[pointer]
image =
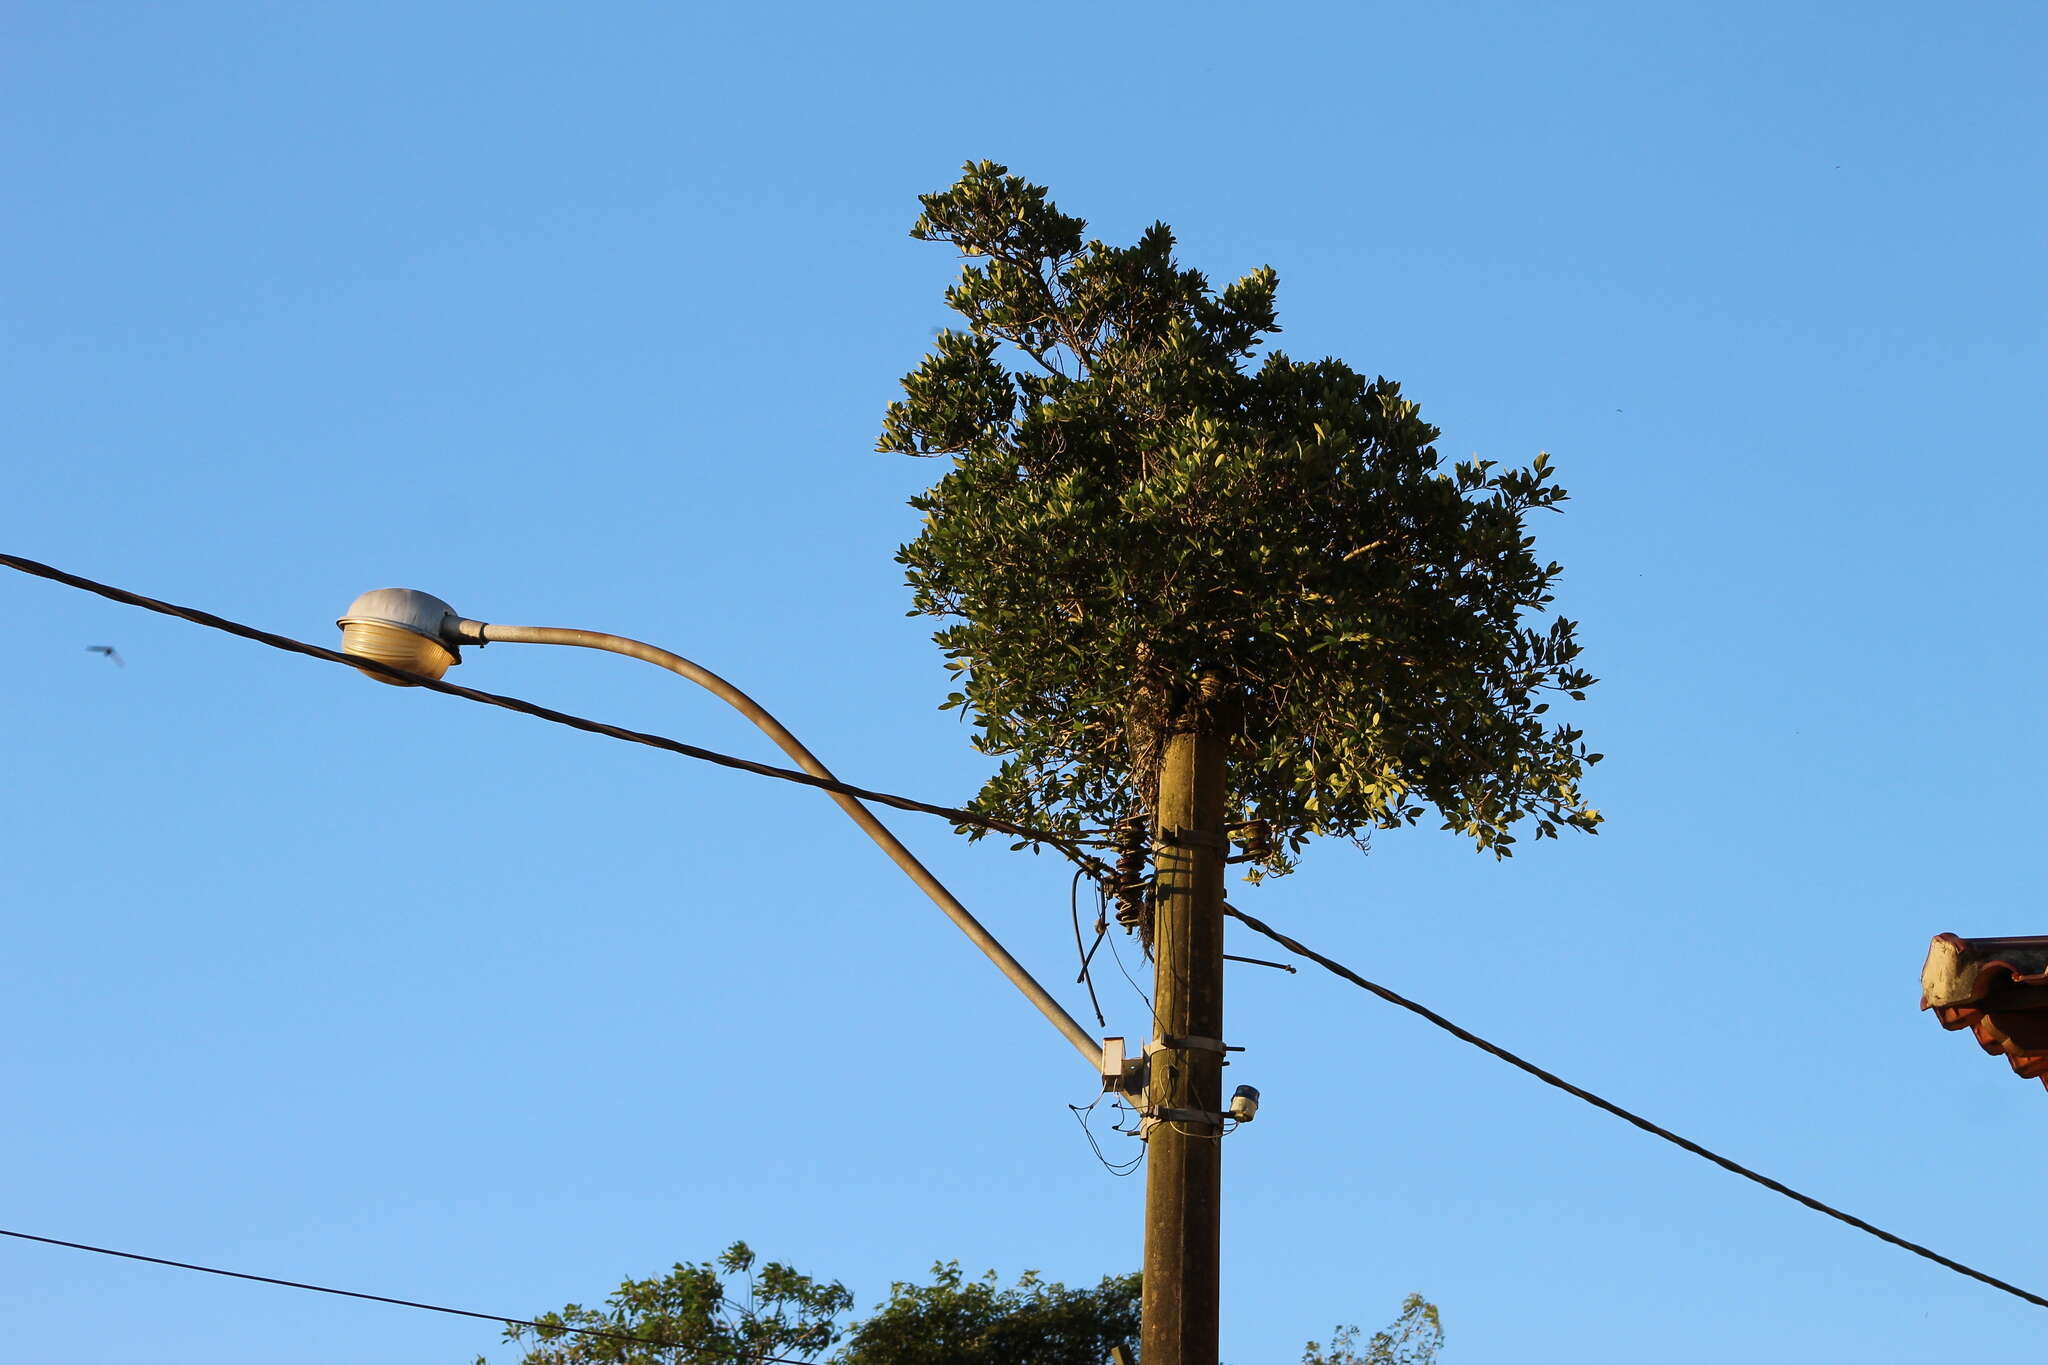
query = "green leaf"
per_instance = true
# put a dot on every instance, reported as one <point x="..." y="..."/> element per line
<point x="1133" y="505"/>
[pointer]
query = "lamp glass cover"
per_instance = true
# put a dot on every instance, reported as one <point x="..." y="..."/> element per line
<point x="397" y="647"/>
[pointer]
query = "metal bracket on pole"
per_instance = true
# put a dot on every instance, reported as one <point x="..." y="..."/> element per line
<point x="1150" y="1115"/>
<point x="1166" y="1042"/>
<point x="1162" y="1115"/>
<point x="1129" y="1078"/>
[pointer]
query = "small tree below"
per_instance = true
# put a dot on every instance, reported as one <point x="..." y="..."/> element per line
<point x="1414" y="1339"/>
<point x="958" y="1321"/>
<point x="766" y="1312"/>
<point x="734" y="1310"/>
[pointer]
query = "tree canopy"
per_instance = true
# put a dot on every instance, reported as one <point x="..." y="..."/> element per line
<point x="1141" y="528"/>
<point x="737" y="1310"/>
<point x="1414" y="1338"/>
<point x="734" y="1310"/>
<point x="958" y="1321"/>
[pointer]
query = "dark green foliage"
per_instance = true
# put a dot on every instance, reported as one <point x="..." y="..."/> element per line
<point x="952" y="1321"/>
<point x="780" y="1313"/>
<point x="1133" y="507"/>
<point x="1413" y="1339"/>
<point x="957" y="1321"/>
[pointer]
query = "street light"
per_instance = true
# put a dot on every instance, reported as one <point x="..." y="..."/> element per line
<point x="420" y="633"/>
<point x="415" y="631"/>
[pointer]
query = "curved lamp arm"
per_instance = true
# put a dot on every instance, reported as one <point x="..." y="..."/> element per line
<point x="479" y="633"/>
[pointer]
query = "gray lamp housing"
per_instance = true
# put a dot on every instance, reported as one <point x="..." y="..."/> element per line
<point x="402" y="628"/>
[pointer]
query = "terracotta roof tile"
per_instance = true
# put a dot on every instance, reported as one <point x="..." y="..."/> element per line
<point x="1998" y="989"/>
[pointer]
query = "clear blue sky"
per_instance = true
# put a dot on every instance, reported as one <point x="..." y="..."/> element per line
<point x="586" y="315"/>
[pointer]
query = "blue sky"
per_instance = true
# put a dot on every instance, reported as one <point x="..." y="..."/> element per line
<point x="586" y="316"/>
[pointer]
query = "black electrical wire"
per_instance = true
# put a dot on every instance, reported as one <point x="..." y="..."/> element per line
<point x="1118" y="958"/>
<point x="1655" y="1130"/>
<point x="1070" y="847"/>
<point x="1085" y="953"/>
<point x="1115" y="1168"/>
<point x="602" y="1333"/>
<point x="959" y="818"/>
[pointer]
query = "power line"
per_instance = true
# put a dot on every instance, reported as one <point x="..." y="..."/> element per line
<point x="961" y="818"/>
<point x="1071" y="847"/>
<point x="601" y="1333"/>
<point x="1655" y="1130"/>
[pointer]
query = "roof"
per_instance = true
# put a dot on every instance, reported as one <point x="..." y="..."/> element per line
<point x="1998" y="989"/>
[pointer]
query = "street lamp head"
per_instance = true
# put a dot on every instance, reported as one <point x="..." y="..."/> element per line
<point x="411" y="630"/>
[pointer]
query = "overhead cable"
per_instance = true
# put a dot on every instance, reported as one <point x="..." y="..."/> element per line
<point x="601" y="1333"/>
<point x="1655" y="1130"/>
<point x="1071" y="847"/>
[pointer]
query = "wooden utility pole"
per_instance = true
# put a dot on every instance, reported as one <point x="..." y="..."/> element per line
<point x="1184" y="1091"/>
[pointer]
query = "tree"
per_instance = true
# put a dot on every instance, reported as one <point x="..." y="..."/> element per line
<point x="1139" y="528"/>
<point x="1414" y="1339"/>
<point x="766" y="1314"/>
<point x="957" y="1321"/>
<point x="736" y="1311"/>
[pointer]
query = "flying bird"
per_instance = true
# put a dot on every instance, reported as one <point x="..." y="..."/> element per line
<point x="107" y="650"/>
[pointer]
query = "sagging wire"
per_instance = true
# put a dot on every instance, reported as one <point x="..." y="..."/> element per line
<point x="1115" y="1168"/>
<point x="1087" y="954"/>
<point x="1069" y="846"/>
<point x="597" y="1333"/>
<point x="1229" y="1126"/>
<point x="1551" y="1078"/>
<point x="1118" y="958"/>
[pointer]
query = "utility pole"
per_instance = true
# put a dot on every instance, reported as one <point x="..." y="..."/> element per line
<point x="1184" y="1086"/>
